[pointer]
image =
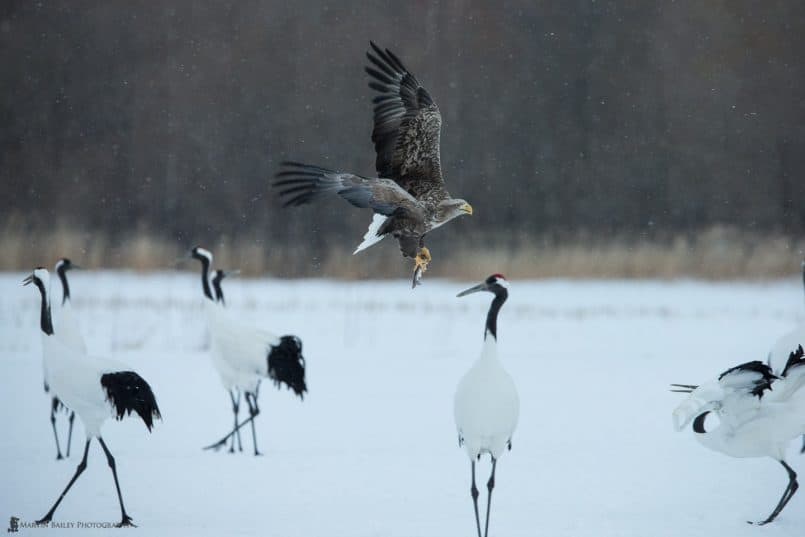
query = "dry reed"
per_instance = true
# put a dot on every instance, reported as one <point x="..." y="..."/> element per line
<point x="718" y="253"/>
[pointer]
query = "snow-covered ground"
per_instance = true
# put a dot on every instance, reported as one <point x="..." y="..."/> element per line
<point x="372" y="449"/>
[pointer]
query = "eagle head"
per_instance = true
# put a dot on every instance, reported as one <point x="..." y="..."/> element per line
<point x="451" y="208"/>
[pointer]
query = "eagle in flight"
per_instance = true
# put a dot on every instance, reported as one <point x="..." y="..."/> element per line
<point x="408" y="197"/>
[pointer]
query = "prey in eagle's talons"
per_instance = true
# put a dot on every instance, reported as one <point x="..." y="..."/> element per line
<point x="417" y="277"/>
<point x="420" y="265"/>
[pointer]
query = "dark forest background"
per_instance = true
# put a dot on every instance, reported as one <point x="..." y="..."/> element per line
<point x="563" y="122"/>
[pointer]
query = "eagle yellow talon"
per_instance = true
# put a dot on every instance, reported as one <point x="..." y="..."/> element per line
<point x="422" y="259"/>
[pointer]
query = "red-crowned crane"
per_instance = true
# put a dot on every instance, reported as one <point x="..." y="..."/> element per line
<point x="486" y="405"/>
<point x="95" y="389"/>
<point x="244" y="355"/>
<point x="758" y="412"/>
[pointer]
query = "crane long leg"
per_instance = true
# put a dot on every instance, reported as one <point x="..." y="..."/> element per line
<point x="474" y="494"/>
<point x="53" y="408"/>
<point x="235" y="411"/>
<point x="254" y="410"/>
<point x="126" y="519"/>
<point x="70" y="432"/>
<point x="489" y="486"/>
<point x="222" y="442"/>
<point x="802" y="450"/>
<point x="787" y="494"/>
<point x="81" y="467"/>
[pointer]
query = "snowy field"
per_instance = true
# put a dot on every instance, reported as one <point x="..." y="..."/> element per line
<point x="372" y="449"/>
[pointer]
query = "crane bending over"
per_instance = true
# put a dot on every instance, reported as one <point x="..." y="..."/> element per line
<point x="759" y="413"/>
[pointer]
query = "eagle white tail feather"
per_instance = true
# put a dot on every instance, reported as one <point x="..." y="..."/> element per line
<point x="371" y="237"/>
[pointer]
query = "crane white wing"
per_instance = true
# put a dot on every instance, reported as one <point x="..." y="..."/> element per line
<point x="745" y="393"/>
<point x="735" y="396"/>
<point x="241" y="348"/>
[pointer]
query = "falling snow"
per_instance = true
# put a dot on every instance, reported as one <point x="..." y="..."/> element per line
<point x="372" y="450"/>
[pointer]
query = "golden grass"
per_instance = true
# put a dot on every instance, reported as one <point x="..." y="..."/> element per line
<point x="718" y="253"/>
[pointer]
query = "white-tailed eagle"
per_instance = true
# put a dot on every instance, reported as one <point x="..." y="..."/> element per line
<point x="408" y="197"/>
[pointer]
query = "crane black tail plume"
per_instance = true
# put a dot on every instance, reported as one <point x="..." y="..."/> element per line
<point x="287" y="365"/>
<point x="129" y="392"/>
<point x="795" y="359"/>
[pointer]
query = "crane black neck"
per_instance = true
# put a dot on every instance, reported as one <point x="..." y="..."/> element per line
<point x="205" y="277"/>
<point x="62" y="272"/>
<point x="219" y="292"/>
<point x="698" y="423"/>
<point x="45" y="320"/>
<point x="501" y="294"/>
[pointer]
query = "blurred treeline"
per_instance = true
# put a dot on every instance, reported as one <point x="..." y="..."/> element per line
<point x="565" y="122"/>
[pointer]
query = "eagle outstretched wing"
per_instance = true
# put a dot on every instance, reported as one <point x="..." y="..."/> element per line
<point x="407" y="126"/>
<point x="301" y="183"/>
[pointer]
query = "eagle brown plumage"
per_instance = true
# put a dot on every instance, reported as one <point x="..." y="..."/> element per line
<point x="409" y="194"/>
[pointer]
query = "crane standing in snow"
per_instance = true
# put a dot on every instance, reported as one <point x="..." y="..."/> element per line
<point x="94" y="388"/>
<point x="217" y="279"/>
<point x="759" y="413"/>
<point x="70" y="334"/>
<point x="486" y="405"/>
<point x="244" y="355"/>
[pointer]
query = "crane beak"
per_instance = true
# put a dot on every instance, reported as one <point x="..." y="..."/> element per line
<point x="683" y="388"/>
<point x="474" y="289"/>
<point x="28" y="280"/>
<point x="229" y="273"/>
<point x="467" y="208"/>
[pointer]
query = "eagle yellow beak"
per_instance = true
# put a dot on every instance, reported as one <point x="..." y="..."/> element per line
<point x="467" y="208"/>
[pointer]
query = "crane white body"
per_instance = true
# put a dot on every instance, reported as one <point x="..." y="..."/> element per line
<point x="68" y="336"/>
<point x="238" y="348"/>
<point x="76" y="378"/>
<point x="486" y="405"/>
<point x="68" y="328"/>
